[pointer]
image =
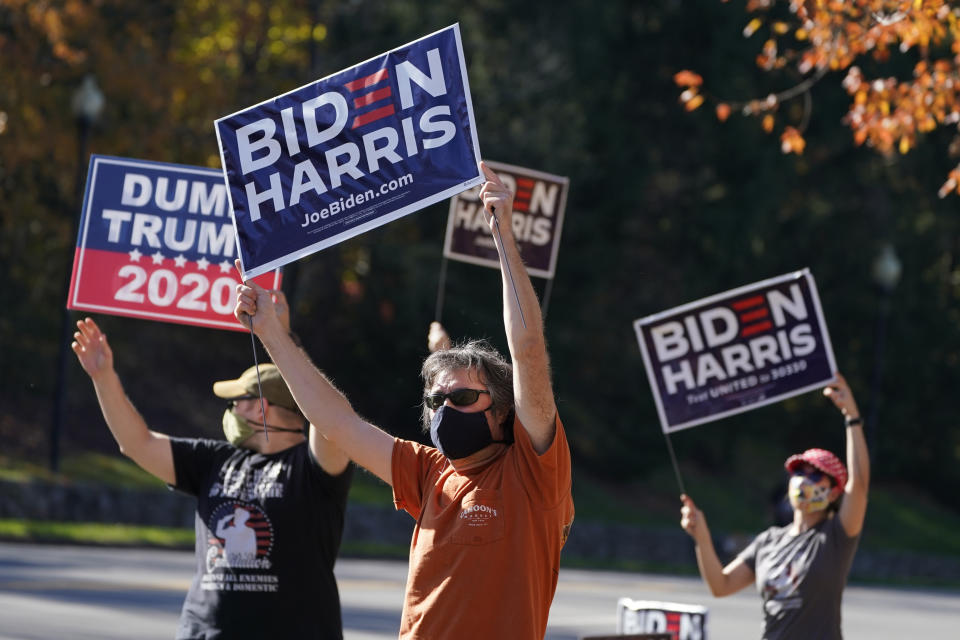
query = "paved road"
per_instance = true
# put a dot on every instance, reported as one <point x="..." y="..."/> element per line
<point x="103" y="594"/>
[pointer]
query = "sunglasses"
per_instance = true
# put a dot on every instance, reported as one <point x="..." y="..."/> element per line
<point x="814" y="475"/>
<point x="232" y="403"/>
<point x="459" y="397"/>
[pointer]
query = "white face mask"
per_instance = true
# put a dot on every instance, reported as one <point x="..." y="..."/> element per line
<point x="807" y="496"/>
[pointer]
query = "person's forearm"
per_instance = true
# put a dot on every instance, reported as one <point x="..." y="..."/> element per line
<point x="853" y="508"/>
<point x="709" y="564"/>
<point x="519" y="337"/>
<point x="328" y="410"/>
<point x="124" y="421"/>
<point x="148" y="449"/>
<point x="321" y="402"/>
<point x="858" y="458"/>
<point x="533" y="391"/>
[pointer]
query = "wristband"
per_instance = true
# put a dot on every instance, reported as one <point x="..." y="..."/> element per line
<point x="854" y="422"/>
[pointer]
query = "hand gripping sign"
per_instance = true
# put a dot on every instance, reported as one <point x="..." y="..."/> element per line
<point x="736" y="351"/>
<point x="539" y="202"/>
<point x="155" y="242"/>
<point x="350" y="152"/>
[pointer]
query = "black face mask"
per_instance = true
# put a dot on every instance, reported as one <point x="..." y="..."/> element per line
<point x="458" y="434"/>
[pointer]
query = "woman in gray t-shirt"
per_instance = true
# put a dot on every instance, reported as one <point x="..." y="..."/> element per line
<point x="801" y="569"/>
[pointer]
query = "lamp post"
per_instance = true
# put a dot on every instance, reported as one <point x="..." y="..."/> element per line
<point x="886" y="272"/>
<point x="86" y="105"/>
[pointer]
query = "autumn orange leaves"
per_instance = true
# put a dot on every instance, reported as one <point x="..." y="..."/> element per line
<point x="821" y="36"/>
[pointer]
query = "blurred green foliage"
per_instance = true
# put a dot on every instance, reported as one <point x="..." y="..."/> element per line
<point x="95" y="533"/>
<point x="665" y="207"/>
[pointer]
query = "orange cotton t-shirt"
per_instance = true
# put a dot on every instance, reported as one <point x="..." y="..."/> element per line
<point x="485" y="554"/>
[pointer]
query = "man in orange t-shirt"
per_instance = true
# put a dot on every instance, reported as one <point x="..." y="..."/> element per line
<point x="492" y="497"/>
<point x="491" y="521"/>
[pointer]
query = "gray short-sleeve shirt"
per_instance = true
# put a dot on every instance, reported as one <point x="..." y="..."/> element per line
<point x="801" y="579"/>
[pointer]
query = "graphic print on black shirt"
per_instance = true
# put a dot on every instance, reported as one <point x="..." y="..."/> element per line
<point x="242" y="539"/>
<point x="268" y="530"/>
<point x="241" y="533"/>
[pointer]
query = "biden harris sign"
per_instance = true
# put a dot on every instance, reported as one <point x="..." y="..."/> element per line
<point x="736" y="351"/>
<point x="156" y="242"/>
<point x="350" y="152"/>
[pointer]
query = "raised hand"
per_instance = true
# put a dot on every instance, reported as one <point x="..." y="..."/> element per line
<point x="497" y="200"/>
<point x="256" y="303"/>
<point x="692" y="519"/>
<point x="841" y="396"/>
<point x="437" y="339"/>
<point x="92" y="349"/>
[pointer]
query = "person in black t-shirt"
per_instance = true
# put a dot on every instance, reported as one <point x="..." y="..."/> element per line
<point x="270" y="509"/>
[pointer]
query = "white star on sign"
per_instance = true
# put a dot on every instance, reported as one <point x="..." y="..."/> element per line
<point x="225" y="267"/>
<point x="135" y="256"/>
<point x="157" y="257"/>
<point x="180" y="260"/>
<point x="202" y="264"/>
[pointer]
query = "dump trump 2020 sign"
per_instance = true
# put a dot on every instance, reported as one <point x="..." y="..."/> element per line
<point x="156" y="242"/>
<point x="350" y="152"/>
<point x="736" y="351"/>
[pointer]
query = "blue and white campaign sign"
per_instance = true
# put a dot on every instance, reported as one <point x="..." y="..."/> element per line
<point x="351" y="152"/>
<point x="736" y="351"/>
<point x="155" y="242"/>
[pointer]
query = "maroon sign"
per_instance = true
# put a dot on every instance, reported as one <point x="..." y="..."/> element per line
<point x="538" y="206"/>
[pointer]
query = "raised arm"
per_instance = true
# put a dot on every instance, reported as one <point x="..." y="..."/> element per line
<point x="327" y="409"/>
<point x="329" y="456"/>
<point x="532" y="390"/>
<point x="149" y="449"/>
<point x="853" y="509"/>
<point x="721" y="580"/>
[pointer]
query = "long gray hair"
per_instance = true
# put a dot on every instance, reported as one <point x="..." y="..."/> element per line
<point x="493" y="370"/>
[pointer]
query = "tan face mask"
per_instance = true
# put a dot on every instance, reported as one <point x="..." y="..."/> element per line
<point x="235" y="428"/>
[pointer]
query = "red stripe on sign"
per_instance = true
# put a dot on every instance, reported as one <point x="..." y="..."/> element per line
<point x="673" y="622"/>
<point x="525" y="183"/>
<point x="366" y="81"/>
<point x="370" y="98"/>
<point x="523" y="194"/>
<point x="755" y="328"/>
<point x="750" y="316"/>
<point x="521" y="206"/>
<point x="746" y="303"/>
<point x="112" y="282"/>
<point x="372" y="116"/>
